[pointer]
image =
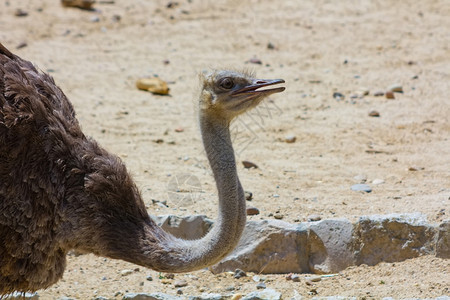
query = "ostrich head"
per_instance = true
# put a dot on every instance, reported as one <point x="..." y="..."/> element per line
<point x="229" y="93"/>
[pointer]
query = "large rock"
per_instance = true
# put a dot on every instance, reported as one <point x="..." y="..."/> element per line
<point x="330" y="246"/>
<point x="268" y="246"/>
<point x="189" y="228"/>
<point x="392" y="238"/>
<point x="152" y="296"/>
<point x="443" y="240"/>
<point x="267" y="294"/>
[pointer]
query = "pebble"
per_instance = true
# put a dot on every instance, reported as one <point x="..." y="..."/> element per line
<point x="338" y="96"/>
<point x="236" y="297"/>
<point x="415" y="168"/>
<point x="363" y="91"/>
<point x="396" y="88"/>
<point x="255" y="60"/>
<point x="95" y="19"/>
<point x="261" y="286"/>
<point x="278" y="216"/>
<point x="248" y="196"/>
<point x="20" y="13"/>
<point x="378" y="93"/>
<point x="179" y="292"/>
<point x="390" y="95"/>
<point x="170" y="276"/>
<point x="238" y="273"/>
<point x="270" y="46"/>
<point x="248" y="164"/>
<point x="314" y="278"/>
<point x="256" y="278"/>
<point x="377" y="181"/>
<point x="180" y="283"/>
<point x="290" y="139"/>
<point x="153" y="85"/>
<point x="149" y="278"/>
<point x="360" y="178"/>
<point x="179" y="129"/>
<point x="374" y="113"/>
<point x="295" y="278"/>
<point x="252" y="211"/>
<point x="314" y="218"/>
<point x="21" y="45"/>
<point x="361" y="188"/>
<point x="126" y="272"/>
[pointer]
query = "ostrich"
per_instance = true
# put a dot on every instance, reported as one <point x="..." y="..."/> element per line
<point x="59" y="190"/>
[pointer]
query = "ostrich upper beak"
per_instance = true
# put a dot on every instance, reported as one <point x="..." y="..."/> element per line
<point x="254" y="88"/>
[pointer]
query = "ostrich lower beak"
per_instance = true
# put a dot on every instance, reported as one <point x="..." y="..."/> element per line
<point x="254" y="88"/>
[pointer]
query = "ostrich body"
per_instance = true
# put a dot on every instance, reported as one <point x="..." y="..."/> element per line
<point x="59" y="190"/>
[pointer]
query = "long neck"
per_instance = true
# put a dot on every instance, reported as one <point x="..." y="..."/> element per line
<point x="185" y="255"/>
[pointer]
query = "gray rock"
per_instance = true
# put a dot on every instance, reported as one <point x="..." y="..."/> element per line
<point x="19" y="295"/>
<point x="207" y="296"/>
<point x="361" y="188"/>
<point x="268" y="246"/>
<point x="261" y="286"/>
<point x="443" y="240"/>
<point x="330" y="246"/>
<point x="180" y="283"/>
<point x="190" y="227"/>
<point x="152" y="296"/>
<point x="267" y="294"/>
<point x="392" y="238"/>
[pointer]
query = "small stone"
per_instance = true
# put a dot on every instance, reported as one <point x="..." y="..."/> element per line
<point x="396" y="88"/>
<point x="374" y="113"/>
<point x="248" y="164"/>
<point x="252" y="211"/>
<point x="170" y="276"/>
<point x="126" y="272"/>
<point x="255" y="60"/>
<point x="313" y="278"/>
<point x="180" y="283"/>
<point x="116" y="18"/>
<point x="377" y="181"/>
<point x="248" y="196"/>
<point x="149" y="278"/>
<point x="314" y="218"/>
<point x="21" y="45"/>
<point x="83" y="4"/>
<point x="165" y="281"/>
<point x="256" y="278"/>
<point x="290" y="139"/>
<point x="338" y="96"/>
<point x="236" y="297"/>
<point x="289" y="276"/>
<point x="20" y="13"/>
<point x="179" y="129"/>
<point x="270" y="46"/>
<point x="415" y="168"/>
<point x="361" y="188"/>
<point x="95" y="19"/>
<point x="238" y="273"/>
<point x="378" y="93"/>
<point x="390" y="95"/>
<point x="363" y="91"/>
<point x="153" y="85"/>
<point x="261" y="286"/>
<point x="295" y="278"/>
<point x="179" y="292"/>
<point x="278" y="216"/>
<point x="361" y="178"/>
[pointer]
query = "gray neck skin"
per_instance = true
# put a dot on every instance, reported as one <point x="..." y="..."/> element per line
<point x="185" y="255"/>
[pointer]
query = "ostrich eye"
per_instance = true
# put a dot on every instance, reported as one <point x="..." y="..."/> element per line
<point x="226" y="83"/>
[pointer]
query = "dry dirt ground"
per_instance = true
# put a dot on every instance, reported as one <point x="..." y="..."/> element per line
<point x="318" y="47"/>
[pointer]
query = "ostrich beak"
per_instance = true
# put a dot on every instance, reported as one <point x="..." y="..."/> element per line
<point x="254" y="88"/>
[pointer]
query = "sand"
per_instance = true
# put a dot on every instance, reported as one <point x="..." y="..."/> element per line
<point x="319" y="48"/>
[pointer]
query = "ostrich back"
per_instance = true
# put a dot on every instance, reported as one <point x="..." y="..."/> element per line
<point x="38" y="130"/>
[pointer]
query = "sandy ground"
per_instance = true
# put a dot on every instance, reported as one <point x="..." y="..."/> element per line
<point x="318" y="47"/>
